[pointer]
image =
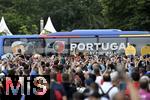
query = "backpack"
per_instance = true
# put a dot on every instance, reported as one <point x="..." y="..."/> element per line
<point x="106" y="95"/>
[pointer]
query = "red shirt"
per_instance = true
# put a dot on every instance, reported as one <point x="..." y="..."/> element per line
<point x="135" y="85"/>
<point x="59" y="77"/>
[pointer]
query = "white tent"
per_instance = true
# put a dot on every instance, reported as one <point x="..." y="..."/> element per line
<point x="49" y="28"/>
<point x="3" y="28"/>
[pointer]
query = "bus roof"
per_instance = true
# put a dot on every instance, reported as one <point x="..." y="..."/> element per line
<point x="85" y="33"/>
<point x="18" y="36"/>
<point x="100" y="33"/>
<point x="89" y="30"/>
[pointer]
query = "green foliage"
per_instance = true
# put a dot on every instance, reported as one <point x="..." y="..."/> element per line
<point x="126" y="15"/>
<point x="147" y="44"/>
<point x="1" y="33"/>
<point x="23" y="16"/>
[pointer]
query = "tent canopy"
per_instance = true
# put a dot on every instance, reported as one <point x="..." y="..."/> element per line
<point x="49" y="28"/>
<point x="3" y="28"/>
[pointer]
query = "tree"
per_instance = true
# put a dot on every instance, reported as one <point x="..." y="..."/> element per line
<point x="23" y="16"/>
<point x="65" y="14"/>
<point x="126" y="15"/>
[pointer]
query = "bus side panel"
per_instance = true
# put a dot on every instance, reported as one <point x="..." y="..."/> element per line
<point x="1" y="46"/>
<point x="139" y="42"/>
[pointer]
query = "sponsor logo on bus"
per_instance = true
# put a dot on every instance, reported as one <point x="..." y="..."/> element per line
<point x="97" y="46"/>
<point x="59" y="46"/>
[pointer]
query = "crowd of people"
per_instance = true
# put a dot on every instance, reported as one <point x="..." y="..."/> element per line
<point x="85" y="77"/>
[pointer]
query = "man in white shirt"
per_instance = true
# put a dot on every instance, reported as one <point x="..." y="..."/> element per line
<point x="107" y="85"/>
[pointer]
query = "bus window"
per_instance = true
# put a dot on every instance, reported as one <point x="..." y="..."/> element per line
<point x="7" y="44"/>
<point x="56" y="45"/>
<point x="139" y="43"/>
<point x="32" y="45"/>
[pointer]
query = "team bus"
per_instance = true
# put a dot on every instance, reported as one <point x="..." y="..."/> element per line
<point x="91" y="41"/>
